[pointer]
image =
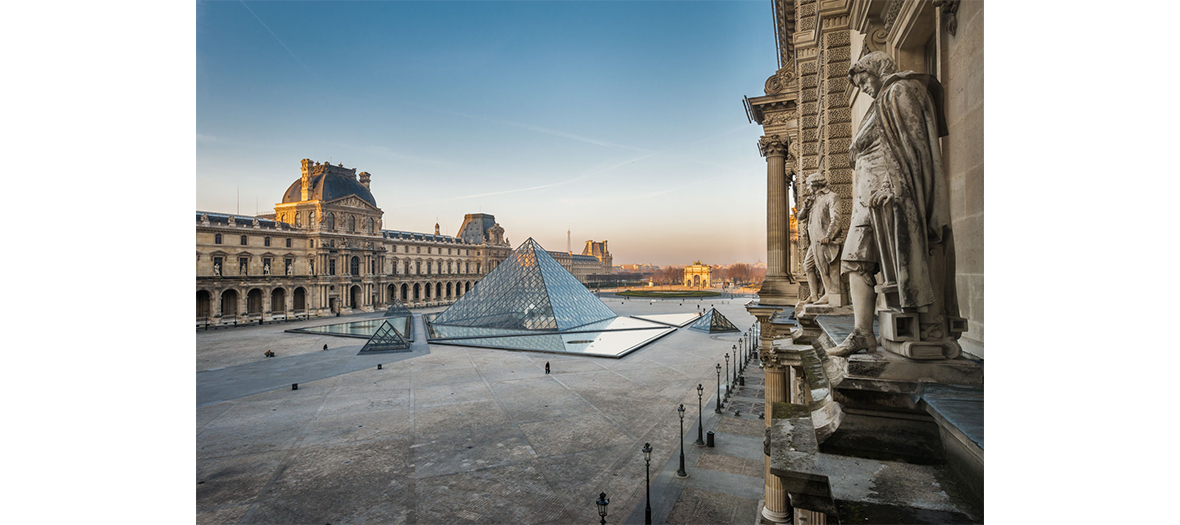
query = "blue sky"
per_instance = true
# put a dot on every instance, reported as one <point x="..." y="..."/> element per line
<point x="617" y="120"/>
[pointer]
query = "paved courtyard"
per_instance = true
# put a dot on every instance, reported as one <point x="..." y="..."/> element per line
<point x="448" y="434"/>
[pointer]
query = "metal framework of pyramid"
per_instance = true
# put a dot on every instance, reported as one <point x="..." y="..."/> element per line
<point x="386" y="340"/>
<point x="527" y="300"/>
<point x="529" y="291"/>
<point x="712" y="321"/>
<point x="397" y="309"/>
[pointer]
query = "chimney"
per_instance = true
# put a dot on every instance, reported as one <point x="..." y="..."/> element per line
<point x="365" y="179"/>
<point x="305" y="182"/>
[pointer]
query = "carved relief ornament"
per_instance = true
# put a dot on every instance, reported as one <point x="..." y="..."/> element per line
<point x="781" y="80"/>
<point x="773" y="145"/>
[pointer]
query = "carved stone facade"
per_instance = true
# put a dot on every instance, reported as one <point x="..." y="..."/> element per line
<point x="811" y="108"/>
<point x="324" y="251"/>
<point x="697" y="275"/>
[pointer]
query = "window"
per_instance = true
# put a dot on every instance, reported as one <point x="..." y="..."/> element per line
<point x="428" y="266"/>
<point x="266" y="241"/>
<point x="418" y="267"/>
<point x="287" y="263"/>
<point x="332" y="266"/>
<point x="419" y="249"/>
<point x="217" y="238"/>
<point x="372" y="266"/>
<point x="407" y="268"/>
<point x="243" y="240"/>
<point x="448" y="251"/>
<point x="298" y="219"/>
<point x="354" y="266"/>
<point x="288" y="242"/>
<point x="311" y="243"/>
<point x="351" y="223"/>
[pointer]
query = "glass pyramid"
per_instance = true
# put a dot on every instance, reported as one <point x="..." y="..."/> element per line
<point x="397" y="309"/>
<point x="712" y="321"/>
<point x="531" y="303"/>
<point x="529" y="291"/>
<point x="385" y="340"/>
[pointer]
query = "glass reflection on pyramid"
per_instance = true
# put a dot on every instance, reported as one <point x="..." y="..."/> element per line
<point x="530" y="302"/>
<point x="713" y="322"/>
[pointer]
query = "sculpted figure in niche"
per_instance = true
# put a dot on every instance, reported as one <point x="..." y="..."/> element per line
<point x="266" y="269"/>
<point x="821" y="211"/>
<point x="217" y="270"/>
<point x="900" y="226"/>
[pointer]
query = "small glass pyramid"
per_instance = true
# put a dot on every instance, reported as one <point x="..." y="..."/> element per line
<point x="712" y="321"/>
<point x="530" y="302"/>
<point x="397" y="309"/>
<point x="385" y="340"/>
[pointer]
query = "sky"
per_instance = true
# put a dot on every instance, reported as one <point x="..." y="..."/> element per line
<point x="618" y="121"/>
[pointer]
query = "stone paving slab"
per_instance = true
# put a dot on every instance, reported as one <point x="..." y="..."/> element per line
<point x="355" y="444"/>
<point x="703" y="507"/>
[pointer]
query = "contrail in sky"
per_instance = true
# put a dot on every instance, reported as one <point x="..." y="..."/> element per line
<point x="272" y="33"/>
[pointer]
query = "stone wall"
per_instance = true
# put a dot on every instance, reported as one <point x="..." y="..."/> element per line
<point x="962" y="79"/>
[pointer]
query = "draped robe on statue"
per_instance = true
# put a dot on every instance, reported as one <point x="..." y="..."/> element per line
<point x="908" y="240"/>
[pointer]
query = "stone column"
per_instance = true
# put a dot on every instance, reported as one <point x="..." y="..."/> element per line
<point x="775" y="288"/>
<point x="776" y="508"/>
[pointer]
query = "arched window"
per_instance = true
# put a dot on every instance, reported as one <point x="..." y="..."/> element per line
<point x="311" y="218"/>
<point x="298" y="219"/>
<point x="354" y="266"/>
<point x="330" y="221"/>
<point x="351" y="223"/>
<point x="407" y="272"/>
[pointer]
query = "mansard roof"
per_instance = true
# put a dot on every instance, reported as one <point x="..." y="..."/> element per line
<point x="329" y="186"/>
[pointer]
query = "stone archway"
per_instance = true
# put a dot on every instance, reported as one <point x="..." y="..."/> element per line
<point x="299" y="298"/>
<point x="278" y="300"/>
<point x="354" y="297"/>
<point x="417" y="292"/>
<point x="204" y="304"/>
<point x="229" y="303"/>
<point x="254" y="302"/>
<point x="405" y="292"/>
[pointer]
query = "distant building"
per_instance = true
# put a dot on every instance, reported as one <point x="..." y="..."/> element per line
<point x="324" y="251"/>
<point x="697" y="275"/>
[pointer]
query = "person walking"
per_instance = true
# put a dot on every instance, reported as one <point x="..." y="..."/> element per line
<point x="546" y="367"/>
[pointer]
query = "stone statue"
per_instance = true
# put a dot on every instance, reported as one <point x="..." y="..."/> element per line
<point x="821" y="213"/>
<point x="900" y="224"/>
<point x="266" y="269"/>
<point x="217" y="270"/>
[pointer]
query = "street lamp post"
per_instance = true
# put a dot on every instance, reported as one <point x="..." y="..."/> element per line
<point x="647" y="460"/>
<point x="602" y="503"/>
<point x="700" y="417"/>
<point x="681" y="472"/>
<point x="718" y="409"/>
<point x="727" y="375"/>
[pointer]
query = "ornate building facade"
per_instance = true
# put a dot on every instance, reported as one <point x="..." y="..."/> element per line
<point x="809" y="113"/>
<point x="325" y="251"/>
<point x="697" y="275"/>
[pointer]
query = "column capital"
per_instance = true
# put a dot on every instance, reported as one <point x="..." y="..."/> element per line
<point x="774" y="145"/>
